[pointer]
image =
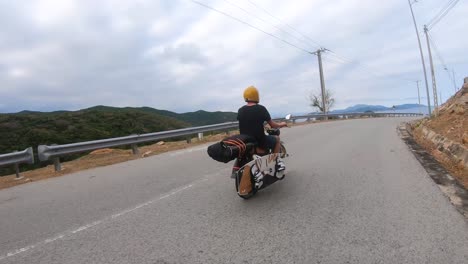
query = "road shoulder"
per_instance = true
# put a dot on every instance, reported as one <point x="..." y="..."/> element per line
<point x="456" y="193"/>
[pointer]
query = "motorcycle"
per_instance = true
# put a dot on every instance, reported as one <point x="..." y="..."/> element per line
<point x="258" y="168"/>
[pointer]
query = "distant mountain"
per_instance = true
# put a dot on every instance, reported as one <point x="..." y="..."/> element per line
<point x="361" y="108"/>
<point x="408" y="106"/>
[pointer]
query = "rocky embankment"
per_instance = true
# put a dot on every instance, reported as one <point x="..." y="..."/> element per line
<point x="445" y="136"/>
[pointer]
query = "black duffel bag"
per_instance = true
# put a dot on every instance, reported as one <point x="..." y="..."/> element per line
<point x="230" y="148"/>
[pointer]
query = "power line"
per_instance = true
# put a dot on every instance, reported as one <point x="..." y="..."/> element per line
<point x="286" y="24"/>
<point x="250" y="25"/>
<point x="267" y="22"/>
<point x="439" y="55"/>
<point x="437" y="52"/>
<point x="443" y="7"/>
<point x="342" y="59"/>
<point x="336" y="59"/>
<point x="440" y="11"/>
<point x="442" y="14"/>
<point x="364" y="68"/>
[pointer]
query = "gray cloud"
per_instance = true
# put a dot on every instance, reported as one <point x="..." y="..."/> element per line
<point x="179" y="56"/>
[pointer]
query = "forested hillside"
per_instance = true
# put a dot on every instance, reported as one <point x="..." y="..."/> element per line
<point x="21" y="130"/>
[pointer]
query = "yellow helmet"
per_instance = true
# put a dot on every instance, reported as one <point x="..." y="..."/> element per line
<point x="251" y="94"/>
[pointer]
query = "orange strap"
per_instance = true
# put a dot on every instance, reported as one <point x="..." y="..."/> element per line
<point x="238" y="143"/>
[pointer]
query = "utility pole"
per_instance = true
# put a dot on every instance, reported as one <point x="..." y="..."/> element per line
<point x="422" y="58"/>
<point x="419" y="97"/>
<point x="434" y="85"/>
<point x="322" y="81"/>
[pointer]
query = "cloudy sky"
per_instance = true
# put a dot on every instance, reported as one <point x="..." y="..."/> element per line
<point x="182" y="56"/>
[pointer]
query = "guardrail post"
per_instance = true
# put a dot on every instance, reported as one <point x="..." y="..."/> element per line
<point x="18" y="177"/>
<point x="200" y="136"/>
<point x="189" y="140"/>
<point x="57" y="165"/>
<point x="294" y="121"/>
<point x="17" y="170"/>
<point x="135" y="150"/>
<point x="308" y="119"/>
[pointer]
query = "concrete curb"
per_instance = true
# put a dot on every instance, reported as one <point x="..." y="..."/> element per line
<point x="455" y="192"/>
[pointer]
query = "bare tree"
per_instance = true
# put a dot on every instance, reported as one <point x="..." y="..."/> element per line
<point x="316" y="100"/>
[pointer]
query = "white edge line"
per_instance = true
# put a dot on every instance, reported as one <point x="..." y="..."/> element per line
<point x="95" y="223"/>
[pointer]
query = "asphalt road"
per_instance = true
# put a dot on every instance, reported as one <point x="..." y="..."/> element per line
<point x="353" y="193"/>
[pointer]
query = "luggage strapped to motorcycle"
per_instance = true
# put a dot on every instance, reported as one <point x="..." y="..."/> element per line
<point x="237" y="143"/>
<point x="231" y="147"/>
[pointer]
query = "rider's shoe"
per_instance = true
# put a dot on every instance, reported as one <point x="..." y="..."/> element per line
<point x="258" y="176"/>
<point x="258" y="185"/>
<point x="258" y="179"/>
<point x="280" y="166"/>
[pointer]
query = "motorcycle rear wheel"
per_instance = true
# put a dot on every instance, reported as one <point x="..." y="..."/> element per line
<point x="283" y="152"/>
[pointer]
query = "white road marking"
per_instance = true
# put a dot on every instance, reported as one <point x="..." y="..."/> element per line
<point x="50" y="240"/>
<point x="11" y="254"/>
<point x="95" y="223"/>
<point x="86" y="227"/>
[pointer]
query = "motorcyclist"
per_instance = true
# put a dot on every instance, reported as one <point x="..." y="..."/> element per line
<point x="251" y="119"/>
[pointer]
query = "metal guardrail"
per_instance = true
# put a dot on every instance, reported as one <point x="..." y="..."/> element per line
<point x="54" y="152"/>
<point x="16" y="158"/>
<point x="353" y="115"/>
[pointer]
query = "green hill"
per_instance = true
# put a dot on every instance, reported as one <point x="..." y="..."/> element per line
<point x="198" y="118"/>
<point x="24" y="129"/>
